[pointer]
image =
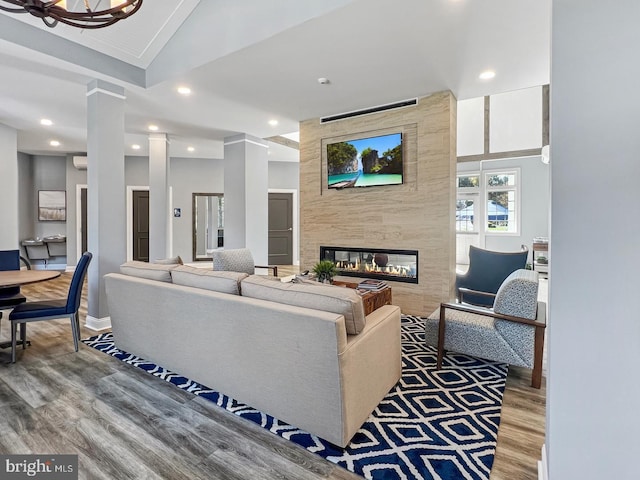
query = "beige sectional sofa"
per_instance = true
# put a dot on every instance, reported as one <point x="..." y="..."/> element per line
<point x="304" y="354"/>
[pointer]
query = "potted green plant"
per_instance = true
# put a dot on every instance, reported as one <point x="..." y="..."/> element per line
<point x="325" y="270"/>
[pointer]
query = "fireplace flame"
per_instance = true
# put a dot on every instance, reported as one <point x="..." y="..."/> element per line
<point x="392" y="270"/>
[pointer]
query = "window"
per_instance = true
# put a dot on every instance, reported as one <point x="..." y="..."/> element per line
<point x="502" y="196"/>
<point x="467" y="202"/>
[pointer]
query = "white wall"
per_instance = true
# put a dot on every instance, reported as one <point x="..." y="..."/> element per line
<point x="49" y="173"/>
<point x="9" y="194"/>
<point x="188" y="175"/>
<point x="534" y="202"/>
<point x="593" y="391"/>
<point x="26" y="212"/>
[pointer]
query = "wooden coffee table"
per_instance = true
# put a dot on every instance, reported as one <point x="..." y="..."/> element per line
<point x="371" y="300"/>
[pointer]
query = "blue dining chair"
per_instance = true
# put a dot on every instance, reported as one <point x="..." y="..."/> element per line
<point x="11" y="296"/>
<point x="52" y="309"/>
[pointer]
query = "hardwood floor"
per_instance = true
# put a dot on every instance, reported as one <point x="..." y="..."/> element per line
<point x="124" y="423"/>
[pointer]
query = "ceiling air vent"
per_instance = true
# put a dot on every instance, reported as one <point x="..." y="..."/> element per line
<point x="80" y="162"/>
<point x="368" y="111"/>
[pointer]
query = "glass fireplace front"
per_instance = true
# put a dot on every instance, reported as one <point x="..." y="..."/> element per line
<point x="383" y="264"/>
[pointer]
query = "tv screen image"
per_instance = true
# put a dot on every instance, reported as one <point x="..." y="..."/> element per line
<point x="365" y="162"/>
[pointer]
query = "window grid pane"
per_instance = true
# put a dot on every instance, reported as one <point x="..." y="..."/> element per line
<point x="465" y="213"/>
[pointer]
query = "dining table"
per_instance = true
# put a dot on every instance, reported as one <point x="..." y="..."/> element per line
<point x="16" y="278"/>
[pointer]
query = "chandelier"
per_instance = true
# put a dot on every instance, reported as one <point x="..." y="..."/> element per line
<point x="91" y="17"/>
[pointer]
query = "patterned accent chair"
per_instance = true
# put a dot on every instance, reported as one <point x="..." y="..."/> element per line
<point x="238" y="260"/>
<point x="511" y="332"/>
<point x="487" y="271"/>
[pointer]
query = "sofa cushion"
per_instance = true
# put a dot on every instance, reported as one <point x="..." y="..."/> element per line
<point x="151" y="271"/>
<point x="223" y="282"/>
<point x="328" y="298"/>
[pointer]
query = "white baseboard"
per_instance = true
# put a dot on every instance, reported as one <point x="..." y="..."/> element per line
<point x="61" y="267"/>
<point x="543" y="469"/>
<point x="98" y="324"/>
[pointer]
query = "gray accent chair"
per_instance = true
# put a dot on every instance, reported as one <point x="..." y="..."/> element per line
<point x="238" y="260"/>
<point x="511" y="332"/>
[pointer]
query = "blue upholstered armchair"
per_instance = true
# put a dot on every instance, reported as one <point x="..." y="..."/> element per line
<point x="487" y="271"/>
<point x="511" y="332"/>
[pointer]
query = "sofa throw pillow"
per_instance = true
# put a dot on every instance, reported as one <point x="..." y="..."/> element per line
<point x="152" y="271"/>
<point x="177" y="260"/>
<point x="328" y="298"/>
<point x="223" y="282"/>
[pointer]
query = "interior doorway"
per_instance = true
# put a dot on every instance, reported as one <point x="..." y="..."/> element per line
<point x="281" y="228"/>
<point x="140" y="233"/>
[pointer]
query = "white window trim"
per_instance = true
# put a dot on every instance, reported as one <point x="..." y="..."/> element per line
<point x="517" y="188"/>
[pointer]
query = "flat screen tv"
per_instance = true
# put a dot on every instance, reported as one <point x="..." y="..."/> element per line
<point x="365" y="162"/>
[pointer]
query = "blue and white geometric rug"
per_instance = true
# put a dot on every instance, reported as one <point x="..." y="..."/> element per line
<point x="432" y="425"/>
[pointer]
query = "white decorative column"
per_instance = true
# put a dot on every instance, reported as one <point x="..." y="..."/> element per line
<point x="158" y="196"/>
<point x="246" y="195"/>
<point x="9" y="192"/>
<point x="105" y="193"/>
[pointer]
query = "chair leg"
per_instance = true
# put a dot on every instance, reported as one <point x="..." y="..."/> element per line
<point x="23" y="334"/>
<point x="441" y="331"/>
<point x="538" y="350"/>
<point x="75" y="330"/>
<point x="14" y="332"/>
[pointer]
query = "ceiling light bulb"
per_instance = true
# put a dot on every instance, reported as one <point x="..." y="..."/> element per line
<point x="273" y="123"/>
<point x="191" y="149"/>
<point x="487" y="75"/>
<point x="184" y="90"/>
<point x="54" y="143"/>
<point x="46" y="122"/>
<point x="135" y="146"/>
<point x="153" y="128"/>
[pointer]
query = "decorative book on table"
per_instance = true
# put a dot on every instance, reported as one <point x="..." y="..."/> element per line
<point x="372" y="285"/>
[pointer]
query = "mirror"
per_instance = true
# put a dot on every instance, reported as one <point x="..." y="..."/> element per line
<point x="208" y="224"/>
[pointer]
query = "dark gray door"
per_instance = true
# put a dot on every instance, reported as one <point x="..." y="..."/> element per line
<point x="141" y="225"/>
<point x="280" y="229"/>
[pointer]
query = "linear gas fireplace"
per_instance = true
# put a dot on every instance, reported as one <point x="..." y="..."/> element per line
<point x="383" y="264"/>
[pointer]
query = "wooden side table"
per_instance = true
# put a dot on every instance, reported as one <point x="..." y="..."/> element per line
<point x="370" y="300"/>
<point x="540" y="247"/>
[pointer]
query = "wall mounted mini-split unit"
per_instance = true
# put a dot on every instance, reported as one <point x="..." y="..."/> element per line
<point x="80" y="162"/>
<point x="368" y="111"/>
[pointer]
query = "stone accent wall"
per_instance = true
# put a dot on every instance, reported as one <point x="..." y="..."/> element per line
<point x="418" y="215"/>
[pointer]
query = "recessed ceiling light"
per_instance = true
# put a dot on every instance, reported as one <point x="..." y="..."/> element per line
<point x="135" y="146"/>
<point x="487" y="75"/>
<point x="191" y="149"/>
<point x="324" y="81"/>
<point x="273" y="122"/>
<point x="54" y="143"/>
<point x="46" y="122"/>
<point x="153" y="128"/>
<point x="184" y="90"/>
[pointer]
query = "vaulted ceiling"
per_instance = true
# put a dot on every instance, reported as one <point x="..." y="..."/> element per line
<point x="251" y="61"/>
